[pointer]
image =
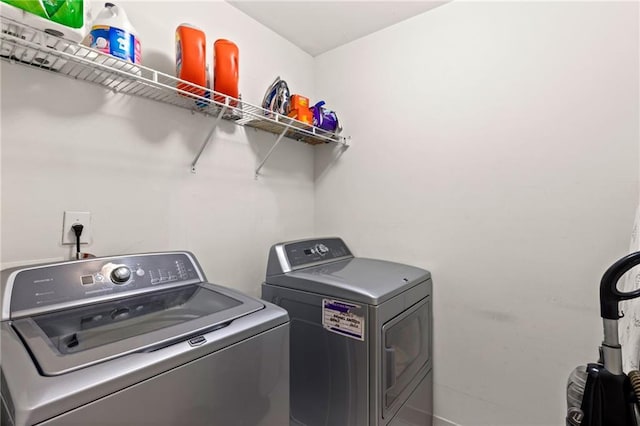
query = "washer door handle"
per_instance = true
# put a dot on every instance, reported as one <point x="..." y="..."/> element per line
<point x="390" y="367"/>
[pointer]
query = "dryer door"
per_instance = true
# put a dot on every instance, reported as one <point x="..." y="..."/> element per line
<point x="406" y="350"/>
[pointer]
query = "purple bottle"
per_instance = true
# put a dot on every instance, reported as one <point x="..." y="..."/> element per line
<point x="325" y="119"/>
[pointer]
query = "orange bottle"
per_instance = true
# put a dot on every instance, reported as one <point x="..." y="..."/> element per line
<point x="191" y="58"/>
<point x="225" y="70"/>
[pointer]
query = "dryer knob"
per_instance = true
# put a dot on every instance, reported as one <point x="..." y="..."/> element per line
<point x="321" y="249"/>
<point x="120" y="275"/>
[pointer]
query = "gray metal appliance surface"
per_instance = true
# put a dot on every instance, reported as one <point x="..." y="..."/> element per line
<point x="361" y="335"/>
<point x="138" y="339"/>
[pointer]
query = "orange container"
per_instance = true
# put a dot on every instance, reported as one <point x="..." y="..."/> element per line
<point x="225" y="74"/>
<point x="300" y="114"/>
<point x="298" y="101"/>
<point x="191" y="58"/>
<point x="299" y="109"/>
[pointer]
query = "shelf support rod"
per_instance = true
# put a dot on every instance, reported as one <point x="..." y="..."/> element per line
<point x="264" y="160"/>
<point x="208" y="139"/>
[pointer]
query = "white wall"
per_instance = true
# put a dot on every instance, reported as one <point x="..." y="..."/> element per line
<point x="68" y="145"/>
<point x="495" y="144"/>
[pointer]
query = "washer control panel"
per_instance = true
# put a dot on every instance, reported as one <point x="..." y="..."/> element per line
<point x="301" y="253"/>
<point x="42" y="286"/>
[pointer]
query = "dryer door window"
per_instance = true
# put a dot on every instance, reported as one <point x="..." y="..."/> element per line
<point x="406" y="350"/>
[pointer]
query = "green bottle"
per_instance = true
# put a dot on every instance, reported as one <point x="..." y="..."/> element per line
<point x="69" y="13"/>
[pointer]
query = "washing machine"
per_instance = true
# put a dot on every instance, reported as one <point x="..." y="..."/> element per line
<point x="139" y="339"/>
<point x="361" y="335"/>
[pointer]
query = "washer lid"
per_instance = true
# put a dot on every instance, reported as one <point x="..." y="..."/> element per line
<point x="357" y="279"/>
<point x="71" y="339"/>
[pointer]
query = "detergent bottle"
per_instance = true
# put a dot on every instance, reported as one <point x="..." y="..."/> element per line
<point x="325" y="119"/>
<point x="112" y="33"/>
<point x="191" y="59"/>
<point x="225" y="69"/>
<point x="61" y="18"/>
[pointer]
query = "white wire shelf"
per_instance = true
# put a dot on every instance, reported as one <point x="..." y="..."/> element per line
<point x="21" y="44"/>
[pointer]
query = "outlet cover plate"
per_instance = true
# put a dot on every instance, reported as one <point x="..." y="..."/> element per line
<point x="70" y="219"/>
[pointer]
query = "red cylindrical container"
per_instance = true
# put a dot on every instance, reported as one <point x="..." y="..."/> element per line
<point x="191" y="58"/>
<point x="225" y="74"/>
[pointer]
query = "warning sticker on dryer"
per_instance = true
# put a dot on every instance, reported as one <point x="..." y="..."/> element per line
<point x="339" y="317"/>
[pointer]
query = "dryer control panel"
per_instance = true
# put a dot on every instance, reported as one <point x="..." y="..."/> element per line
<point x="285" y="257"/>
<point x="44" y="288"/>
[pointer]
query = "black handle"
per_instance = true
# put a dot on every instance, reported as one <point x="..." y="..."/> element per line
<point x="609" y="293"/>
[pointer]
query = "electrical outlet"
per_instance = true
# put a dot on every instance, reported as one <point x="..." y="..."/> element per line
<point x="70" y="219"/>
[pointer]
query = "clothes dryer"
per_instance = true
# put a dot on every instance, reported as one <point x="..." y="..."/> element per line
<point x="361" y="335"/>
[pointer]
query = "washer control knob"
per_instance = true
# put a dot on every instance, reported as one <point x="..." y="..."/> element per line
<point x="120" y="275"/>
<point x="321" y="249"/>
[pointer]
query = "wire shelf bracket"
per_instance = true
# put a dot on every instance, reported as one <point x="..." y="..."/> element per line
<point x="208" y="138"/>
<point x="266" y="157"/>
